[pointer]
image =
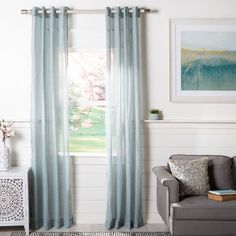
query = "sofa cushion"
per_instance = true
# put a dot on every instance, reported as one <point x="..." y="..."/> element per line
<point x="234" y="171"/>
<point x="219" y="169"/>
<point x="201" y="208"/>
<point x="192" y="175"/>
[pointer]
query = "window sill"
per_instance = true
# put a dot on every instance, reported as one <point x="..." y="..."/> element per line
<point x="87" y="155"/>
<point x="78" y="158"/>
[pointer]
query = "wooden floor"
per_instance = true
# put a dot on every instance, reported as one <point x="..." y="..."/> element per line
<point x="6" y="231"/>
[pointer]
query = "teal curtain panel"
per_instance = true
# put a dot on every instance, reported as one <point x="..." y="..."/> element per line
<point x="49" y="120"/>
<point x="123" y="119"/>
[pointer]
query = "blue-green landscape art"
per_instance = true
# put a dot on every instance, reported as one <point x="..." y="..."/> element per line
<point x="208" y="61"/>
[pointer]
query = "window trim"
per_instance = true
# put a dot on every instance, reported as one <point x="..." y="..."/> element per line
<point x="87" y="154"/>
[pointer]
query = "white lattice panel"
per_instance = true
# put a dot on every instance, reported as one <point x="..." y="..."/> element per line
<point x="14" y="198"/>
<point x="11" y="200"/>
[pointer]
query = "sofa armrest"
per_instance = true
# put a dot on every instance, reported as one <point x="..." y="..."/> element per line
<point x="167" y="191"/>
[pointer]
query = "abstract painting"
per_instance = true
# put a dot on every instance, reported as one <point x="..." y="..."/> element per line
<point x="203" y="60"/>
<point x="208" y="60"/>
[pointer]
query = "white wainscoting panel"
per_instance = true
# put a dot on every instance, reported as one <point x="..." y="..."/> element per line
<point x="160" y="140"/>
<point x="20" y="144"/>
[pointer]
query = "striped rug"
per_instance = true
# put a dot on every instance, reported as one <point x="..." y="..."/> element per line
<point x="93" y="234"/>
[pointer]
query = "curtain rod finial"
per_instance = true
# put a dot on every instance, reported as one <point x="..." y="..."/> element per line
<point x="23" y="11"/>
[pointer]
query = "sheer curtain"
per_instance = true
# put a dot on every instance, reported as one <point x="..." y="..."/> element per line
<point x="123" y="119"/>
<point x="49" y="131"/>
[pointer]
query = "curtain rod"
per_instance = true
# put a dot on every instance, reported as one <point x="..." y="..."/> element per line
<point x="71" y="11"/>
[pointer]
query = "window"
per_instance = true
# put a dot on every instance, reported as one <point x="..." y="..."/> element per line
<point x="86" y="78"/>
<point x="86" y="74"/>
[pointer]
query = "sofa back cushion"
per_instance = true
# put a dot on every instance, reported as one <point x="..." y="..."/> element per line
<point x="219" y="169"/>
<point x="234" y="171"/>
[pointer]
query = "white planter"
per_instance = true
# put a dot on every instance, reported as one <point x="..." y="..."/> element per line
<point x="4" y="156"/>
<point x="153" y="116"/>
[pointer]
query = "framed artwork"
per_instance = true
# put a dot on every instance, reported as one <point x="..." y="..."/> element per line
<point x="203" y="60"/>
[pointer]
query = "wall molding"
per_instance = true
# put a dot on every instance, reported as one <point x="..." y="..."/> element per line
<point x="197" y="125"/>
<point x="191" y="121"/>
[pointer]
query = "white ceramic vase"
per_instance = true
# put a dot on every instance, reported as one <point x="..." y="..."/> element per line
<point x="4" y="156"/>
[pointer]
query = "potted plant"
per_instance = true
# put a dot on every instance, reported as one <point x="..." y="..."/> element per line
<point x="154" y="114"/>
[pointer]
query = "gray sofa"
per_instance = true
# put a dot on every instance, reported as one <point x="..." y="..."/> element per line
<point x="197" y="215"/>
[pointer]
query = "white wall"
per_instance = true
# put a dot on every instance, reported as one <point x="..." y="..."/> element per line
<point x="160" y="139"/>
<point x="15" y="53"/>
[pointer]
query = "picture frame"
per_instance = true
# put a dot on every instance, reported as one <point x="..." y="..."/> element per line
<point x="203" y="60"/>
